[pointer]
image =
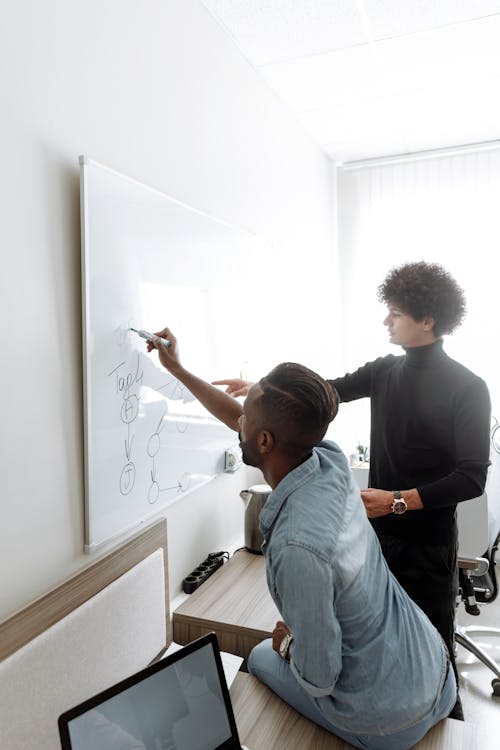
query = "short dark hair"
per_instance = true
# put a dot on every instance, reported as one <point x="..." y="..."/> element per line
<point x="298" y="405"/>
<point x="425" y="289"/>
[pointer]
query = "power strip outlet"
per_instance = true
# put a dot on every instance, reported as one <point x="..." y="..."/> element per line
<point x="202" y="572"/>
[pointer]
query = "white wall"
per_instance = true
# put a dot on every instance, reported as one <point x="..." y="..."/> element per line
<point x="156" y="91"/>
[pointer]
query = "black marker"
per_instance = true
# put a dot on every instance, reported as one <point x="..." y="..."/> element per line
<point x="149" y="336"/>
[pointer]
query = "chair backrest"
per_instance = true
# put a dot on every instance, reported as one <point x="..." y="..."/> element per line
<point x="472" y="520"/>
<point x="474" y="542"/>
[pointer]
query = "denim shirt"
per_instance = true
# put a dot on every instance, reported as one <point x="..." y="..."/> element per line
<point x="364" y="652"/>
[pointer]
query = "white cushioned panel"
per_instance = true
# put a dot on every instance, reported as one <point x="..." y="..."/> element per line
<point x="111" y="636"/>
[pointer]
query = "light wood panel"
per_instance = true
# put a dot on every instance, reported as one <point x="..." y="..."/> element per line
<point x="36" y="617"/>
<point x="265" y="722"/>
<point x="450" y="735"/>
<point x="234" y="602"/>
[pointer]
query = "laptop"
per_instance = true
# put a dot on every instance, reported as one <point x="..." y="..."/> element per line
<point x="179" y="703"/>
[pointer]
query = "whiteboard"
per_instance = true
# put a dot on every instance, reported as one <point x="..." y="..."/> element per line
<point x="149" y="261"/>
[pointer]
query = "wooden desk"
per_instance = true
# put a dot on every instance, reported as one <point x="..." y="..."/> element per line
<point x="234" y="602"/>
<point x="265" y="722"/>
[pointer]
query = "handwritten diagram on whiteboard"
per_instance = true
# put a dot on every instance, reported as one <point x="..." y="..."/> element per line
<point x="149" y="261"/>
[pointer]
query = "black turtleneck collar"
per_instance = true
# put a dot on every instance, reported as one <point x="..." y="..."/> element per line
<point x="423" y="356"/>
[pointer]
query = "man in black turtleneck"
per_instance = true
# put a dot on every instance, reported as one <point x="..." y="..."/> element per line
<point x="429" y="444"/>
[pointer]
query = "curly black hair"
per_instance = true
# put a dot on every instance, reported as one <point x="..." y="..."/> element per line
<point x="298" y="405"/>
<point x="425" y="290"/>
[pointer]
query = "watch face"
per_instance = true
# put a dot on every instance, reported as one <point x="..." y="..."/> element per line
<point x="399" y="507"/>
<point x="284" y="645"/>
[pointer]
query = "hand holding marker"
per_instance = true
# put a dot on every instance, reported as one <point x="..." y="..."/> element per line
<point x="149" y="336"/>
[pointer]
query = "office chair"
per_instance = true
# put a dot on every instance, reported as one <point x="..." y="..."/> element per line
<point x="478" y="582"/>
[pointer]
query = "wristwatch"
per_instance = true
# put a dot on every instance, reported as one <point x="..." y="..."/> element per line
<point x="285" y="645"/>
<point x="399" y="505"/>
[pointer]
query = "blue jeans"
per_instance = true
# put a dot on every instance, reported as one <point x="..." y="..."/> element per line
<point x="275" y="672"/>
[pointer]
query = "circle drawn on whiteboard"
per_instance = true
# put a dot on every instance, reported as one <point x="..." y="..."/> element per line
<point x="127" y="478"/>
<point x="153" y="493"/>
<point x="153" y="445"/>
<point x="130" y="409"/>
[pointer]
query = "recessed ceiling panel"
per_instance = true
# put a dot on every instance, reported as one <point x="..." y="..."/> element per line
<point x="447" y="56"/>
<point x="430" y="118"/>
<point x="268" y="32"/>
<point x="416" y="74"/>
<point x="357" y="120"/>
<point x="322" y="80"/>
<point x="389" y="18"/>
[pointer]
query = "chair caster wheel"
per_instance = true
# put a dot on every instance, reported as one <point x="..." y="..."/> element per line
<point x="495" y="684"/>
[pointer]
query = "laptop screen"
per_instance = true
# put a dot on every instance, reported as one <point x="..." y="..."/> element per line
<point x="179" y="703"/>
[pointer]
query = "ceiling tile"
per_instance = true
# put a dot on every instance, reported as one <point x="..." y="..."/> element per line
<point x="361" y="119"/>
<point x="270" y="31"/>
<point x="373" y="78"/>
<point x="337" y="77"/>
<point x="434" y="114"/>
<point x="444" y="55"/>
<point x="422" y="120"/>
<point x="388" y="18"/>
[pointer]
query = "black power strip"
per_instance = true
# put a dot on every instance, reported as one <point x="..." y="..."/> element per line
<point x="203" y="571"/>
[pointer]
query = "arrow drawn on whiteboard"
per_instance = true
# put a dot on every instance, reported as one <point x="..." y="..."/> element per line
<point x="153" y="472"/>
<point x="182" y="485"/>
<point x="161" y="423"/>
<point x="154" y="440"/>
<point x="128" y="447"/>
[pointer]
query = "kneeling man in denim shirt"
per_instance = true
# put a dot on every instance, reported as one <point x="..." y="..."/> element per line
<point x="354" y="653"/>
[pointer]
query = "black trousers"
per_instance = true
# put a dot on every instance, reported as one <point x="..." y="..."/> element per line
<point x="429" y="574"/>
